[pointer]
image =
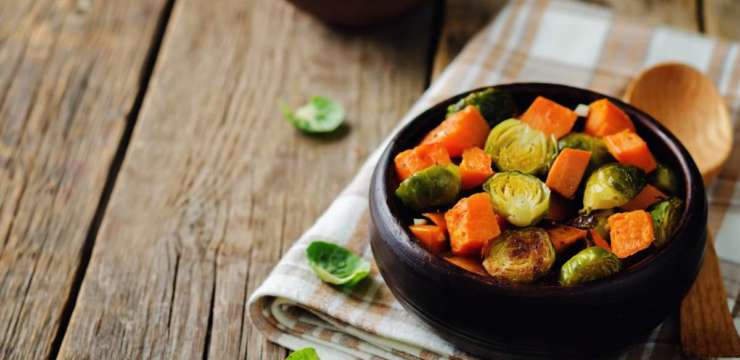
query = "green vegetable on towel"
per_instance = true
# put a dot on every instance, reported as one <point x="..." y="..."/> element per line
<point x="304" y="354"/>
<point x="336" y="265"/>
<point x="320" y="115"/>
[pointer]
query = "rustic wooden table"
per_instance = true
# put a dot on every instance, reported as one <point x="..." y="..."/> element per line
<point x="148" y="182"/>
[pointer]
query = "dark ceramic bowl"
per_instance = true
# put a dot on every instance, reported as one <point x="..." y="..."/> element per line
<point x="490" y="319"/>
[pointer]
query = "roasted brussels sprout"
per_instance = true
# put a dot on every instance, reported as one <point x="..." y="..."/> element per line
<point x="612" y="185"/>
<point x="514" y="146"/>
<point x="495" y="105"/>
<point x="522" y="199"/>
<point x="666" y="215"/>
<point x="434" y="186"/>
<point x="520" y="256"/>
<point x="589" y="264"/>
<point x="599" y="153"/>
<point x="336" y="265"/>
<point x="664" y="179"/>
<point x="596" y="220"/>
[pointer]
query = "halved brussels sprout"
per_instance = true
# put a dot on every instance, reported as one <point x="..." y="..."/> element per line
<point x="599" y="153"/>
<point x="612" y="185"/>
<point x="495" y="105"/>
<point x="521" y="255"/>
<point x="591" y="263"/>
<point x="596" y="220"/>
<point x="514" y="146"/>
<point x="436" y="185"/>
<point x="664" y="179"/>
<point x="665" y="219"/>
<point x="522" y="199"/>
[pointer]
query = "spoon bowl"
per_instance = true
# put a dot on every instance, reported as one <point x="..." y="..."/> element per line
<point x="686" y="102"/>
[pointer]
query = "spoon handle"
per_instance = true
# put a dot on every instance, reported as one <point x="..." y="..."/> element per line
<point x="707" y="328"/>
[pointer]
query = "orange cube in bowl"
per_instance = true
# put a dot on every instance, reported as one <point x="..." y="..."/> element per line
<point x="472" y="223"/>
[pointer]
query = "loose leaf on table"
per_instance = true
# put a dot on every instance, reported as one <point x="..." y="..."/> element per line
<point x="336" y="265"/>
<point x="319" y="115"/>
<point x="304" y="354"/>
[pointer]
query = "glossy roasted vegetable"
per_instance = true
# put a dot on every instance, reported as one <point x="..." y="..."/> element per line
<point x="520" y="256"/>
<point x="522" y="199"/>
<point x="596" y="220"/>
<point x="666" y="215"/>
<point x="336" y="265"/>
<point x="436" y="185"/>
<point x="664" y="179"/>
<point x="599" y="153"/>
<point x="495" y="105"/>
<point x="514" y="146"/>
<point x="589" y="264"/>
<point x="612" y="185"/>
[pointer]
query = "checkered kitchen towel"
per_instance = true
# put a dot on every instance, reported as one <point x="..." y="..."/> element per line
<point x="559" y="42"/>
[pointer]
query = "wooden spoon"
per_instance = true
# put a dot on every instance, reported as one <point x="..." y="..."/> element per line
<point x="686" y="102"/>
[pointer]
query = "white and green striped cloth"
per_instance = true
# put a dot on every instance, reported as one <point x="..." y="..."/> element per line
<point x="560" y="42"/>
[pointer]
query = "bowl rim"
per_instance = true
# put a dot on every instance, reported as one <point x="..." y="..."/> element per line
<point x="390" y="227"/>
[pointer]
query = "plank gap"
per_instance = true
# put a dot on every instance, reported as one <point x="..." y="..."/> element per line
<point x="110" y="181"/>
<point x="700" y="16"/>
<point x="437" y="24"/>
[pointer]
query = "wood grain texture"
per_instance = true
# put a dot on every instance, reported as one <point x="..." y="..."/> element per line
<point x="216" y="185"/>
<point x="69" y="76"/>
<point x="707" y="327"/>
<point x="721" y="18"/>
<point x="462" y="20"/>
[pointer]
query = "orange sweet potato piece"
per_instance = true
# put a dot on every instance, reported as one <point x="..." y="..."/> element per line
<point x="431" y="237"/>
<point x="630" y="232"/>
<point x="463" y="129"/>
<point x="563" y="236"/>
<point x="475" y="167"/>
<point x="438" y="219"/>
<point x="419" y="158"/>
<point x="605" y="118"/>
<point x="567" y="171"/>
<point x="467" y="263"/>
<point x="549" y="117"/>
<point x="629" y="149"/>
<point x="598" y="240"/>
<point x="648" y="196"/>
<point x="472" y="223"/>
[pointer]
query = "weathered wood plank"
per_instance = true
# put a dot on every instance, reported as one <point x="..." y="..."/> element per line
<point x="69" y="76"/>
<point x="721" y="18"/>
<point x="216" y="184"/>
<point x="462" y="20"/>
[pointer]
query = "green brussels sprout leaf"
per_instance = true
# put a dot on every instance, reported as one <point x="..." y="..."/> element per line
<point x="599" y="153"/>
<point x="664" y="179"/>
<point x="514" y="146"/>
<point x="612" y="185"/>
<point x="436" y="185"/>
<point x="520" y="256"/>
<point x="320" y="115"/>
<point x="495" y="105"/>
<point x="589" y="264"/>
<point x="522" y="199"/>
<point x="336" y="265"/>
<point x="666" y="215"/>
<point x="304" y="354"/>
